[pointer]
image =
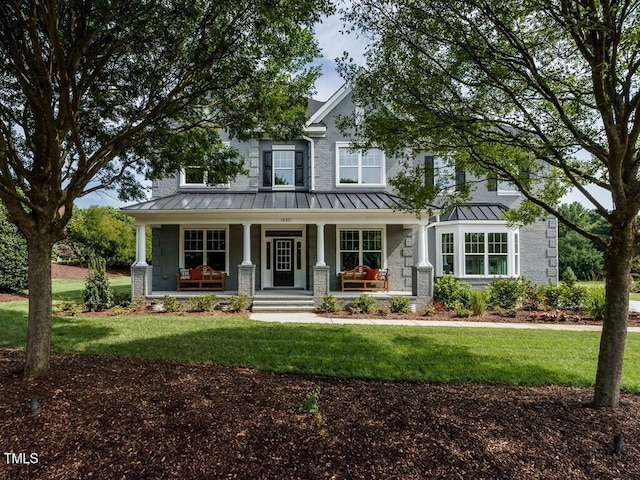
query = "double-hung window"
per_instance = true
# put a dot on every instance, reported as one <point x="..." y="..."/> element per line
<point x="192" y="176"/>
<point x="356" y="167"/>
<point x="205" y="247"/>
<point x="283" y="168"/>
<point x="360" y="247"/>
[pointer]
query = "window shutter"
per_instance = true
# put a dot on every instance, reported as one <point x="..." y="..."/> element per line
<point x="299" y="169"/>
<point x="429" y="178"/>
<point x="492" y="183"/>
<point x="461" y="179"/>
<point x="267" y="169"/>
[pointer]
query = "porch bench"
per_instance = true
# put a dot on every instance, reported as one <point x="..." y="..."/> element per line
<point x="209" y="279"/>
<point x="356" y="279"/>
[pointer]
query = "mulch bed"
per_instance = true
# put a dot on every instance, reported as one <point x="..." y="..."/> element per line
<point x="117" y="418"/>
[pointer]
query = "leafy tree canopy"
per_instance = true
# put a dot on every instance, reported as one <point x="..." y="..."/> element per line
<point x="520" y="89"/>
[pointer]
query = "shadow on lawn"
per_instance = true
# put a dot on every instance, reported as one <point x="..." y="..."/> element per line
<point x="343" y="352"/>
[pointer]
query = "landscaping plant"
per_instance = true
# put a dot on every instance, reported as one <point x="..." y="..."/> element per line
<point x="97" y="293"/>
<point x="450" y="292"/>
<point x="399" y="304"/>
<point x="330" y="304"/>
<point x="364" y="304"/>
<point x="505" y="293"/>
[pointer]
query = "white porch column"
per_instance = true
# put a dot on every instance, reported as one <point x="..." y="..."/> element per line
<point x="422" y="246"/>
<point x="141" y="245"/>
<point x="246" y="244"/>
<point x="320" y="246"/>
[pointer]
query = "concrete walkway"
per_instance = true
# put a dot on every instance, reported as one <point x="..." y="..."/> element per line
<point x="313" y="318"/>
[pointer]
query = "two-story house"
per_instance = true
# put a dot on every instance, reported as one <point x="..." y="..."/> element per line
<point x="312" y="208"/>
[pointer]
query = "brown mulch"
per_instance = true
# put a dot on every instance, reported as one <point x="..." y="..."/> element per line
<point x="113" y="418"/>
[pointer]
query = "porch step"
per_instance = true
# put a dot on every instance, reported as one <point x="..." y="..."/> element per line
<point x="282" y="304"/>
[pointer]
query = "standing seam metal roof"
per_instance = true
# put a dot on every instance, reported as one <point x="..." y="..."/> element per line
<point x="199" y="201"/>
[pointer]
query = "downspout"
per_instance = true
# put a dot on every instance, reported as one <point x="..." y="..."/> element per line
<point x="312" y="155"/>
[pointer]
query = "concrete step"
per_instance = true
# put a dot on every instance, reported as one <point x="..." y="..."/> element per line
<point x="280" y="304"/>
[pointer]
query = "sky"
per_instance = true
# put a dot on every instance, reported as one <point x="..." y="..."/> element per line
<point x="333" y="44"/>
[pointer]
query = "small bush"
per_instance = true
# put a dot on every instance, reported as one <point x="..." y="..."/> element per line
<point x="552" y="296"/>
<point x="97" y="293"/>
<point x="383" y="311"/>
<point x="119" y="310"/>
<point x="203" y="303"/>
<point x="330" y="304"/>
<point x="311" y="402"/>
<point x="122" y="299"/>
<point x="171" y="304"/>
<point x="533" y="298"/>
<point x="595" y="302"/>
<point x="463" y="312"/>
<point x="364" y="304"/>
<point x="572" y="298"/>
<point x="238" y="303"/>
<point x="398" y="304"/>
<point x="137" y="304"/>
<point x="72" y="308"/>
<point x="569" y="278"/>
<point x="450" y="292"/>
<point x="505" y="293"/>
<point x="478" y="301"/>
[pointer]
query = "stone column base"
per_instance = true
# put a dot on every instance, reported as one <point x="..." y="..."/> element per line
<point x="141" y="276"/>
<point x="422" y="286"/>
<point x="320" y="281"/>
<point x="247" y="280"/>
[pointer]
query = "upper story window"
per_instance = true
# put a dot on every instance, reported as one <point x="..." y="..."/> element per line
<point x="197" y="176"/>
<point x="283" y="168"/>
<point x="356" y="167"/>
<point x="442" y="174"/>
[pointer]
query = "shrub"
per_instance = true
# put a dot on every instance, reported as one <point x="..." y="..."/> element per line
<point x="398" y="304"/>
<point x="138" y="303"/>
<point x="533" y="298"/>
<point x="238" y="303"/>
<point x="13" y="251"/>
<point x="478" y="301"/>
<point x="122" y="299"/>
<point x="97" y="291"/>
<point x="72" y="308"/>
<point x="119" y="310"/>
<point x="505" y="293"/>
<point x="552" y="295"/>
<point x="364" y="304"/>
<point x="330" y="304"/>
<point x="171" y="304"/>
<point x="203" y="303"/>
<point x="568" y="277"/>
<point x="595" y="302"/>
<point x="463" y="312"/>
<point x="450" y="292"/>
<point x="572" y="298"/>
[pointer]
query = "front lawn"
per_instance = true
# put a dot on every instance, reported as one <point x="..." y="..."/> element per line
<point x="504" y="356"/>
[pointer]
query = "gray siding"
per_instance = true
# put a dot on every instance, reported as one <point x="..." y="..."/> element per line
<point x="539" y="251"/>
<point x="166" y="252"/>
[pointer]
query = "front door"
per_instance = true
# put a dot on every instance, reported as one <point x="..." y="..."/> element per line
<point x="283" y="273"/>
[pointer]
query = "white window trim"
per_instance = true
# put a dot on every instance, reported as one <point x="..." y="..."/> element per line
<point x="282" y="148"/>
<point x="204" y="227"/>
<point x="444" y="172"/>
<point x="383" y="167"/>
<point x="184" y="184"/>
<point x="459" y="229"/>
<point x="383" y="228"/>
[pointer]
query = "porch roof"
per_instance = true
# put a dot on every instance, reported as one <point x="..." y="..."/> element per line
<point x="476" y="211"/>
<point x="273" y="200"/>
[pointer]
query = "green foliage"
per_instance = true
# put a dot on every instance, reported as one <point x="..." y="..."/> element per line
<point x="478" y="301"/>
<point x="97" y="293"/>
<point x="13" y="251"/>
<point x="171" y="304"/>
<point x="203" y="303"/>
<point x="364" y="304"/>
<point x="122" y="299"/>
<point x="505" y="293"/>
<point x="330" y="304"/>
<point x="138" y="304"/>
<point x="569" y="278"/>
<point x="238" y="303"/>
<point x="399" y="304"/>
<point x="595" y="302"/>
<point x="580" y="254"/>
<point x="564" y="297"/>
<point x="533" y="297"/>
<point x="70" y="307"/>
<point x="463" y="312"/>
<point x="311" y="402"/>
<point x="451" y="292"/>
<point x="102" y="231"/>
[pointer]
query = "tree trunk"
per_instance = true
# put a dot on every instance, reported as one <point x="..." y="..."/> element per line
<point x="39" y="326"/>
<point x="618" y="259"/>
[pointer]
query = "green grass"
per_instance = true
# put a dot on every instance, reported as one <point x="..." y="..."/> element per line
<point x="600" y="283"/>
<point x="71" y="290"/>
<point x="505" y="356"/>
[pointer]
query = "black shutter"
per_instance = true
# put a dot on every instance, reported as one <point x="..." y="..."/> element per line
<point x="267" y="169"/>
<point x="492" y="183"/>
<point x="429" y="177"/>
<point x="299" y="169"/>
<point x="461" y="178"/>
